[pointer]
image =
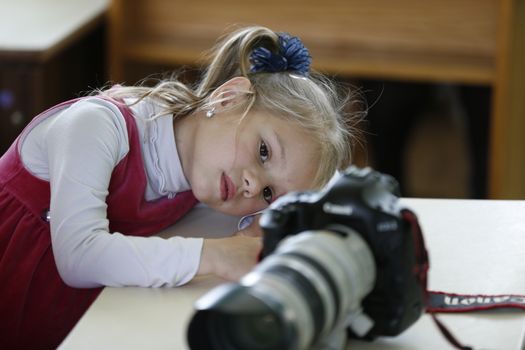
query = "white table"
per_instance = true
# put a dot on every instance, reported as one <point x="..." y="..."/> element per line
<point x="474" y="247"/>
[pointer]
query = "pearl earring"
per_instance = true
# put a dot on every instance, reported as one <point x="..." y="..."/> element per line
<point x="210" y="113"/>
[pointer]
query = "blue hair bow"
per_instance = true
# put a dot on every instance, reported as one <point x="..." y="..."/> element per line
<point x="293" y="56"/>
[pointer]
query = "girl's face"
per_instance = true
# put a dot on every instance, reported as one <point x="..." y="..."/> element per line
<point x="240" y="167"/>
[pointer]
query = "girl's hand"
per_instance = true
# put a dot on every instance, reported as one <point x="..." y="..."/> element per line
<point x="231" y="257"/>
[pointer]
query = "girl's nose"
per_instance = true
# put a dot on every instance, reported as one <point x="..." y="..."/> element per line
<point x="252" y="184"/>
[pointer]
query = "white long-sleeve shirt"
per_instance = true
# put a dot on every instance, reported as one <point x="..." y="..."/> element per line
<point x="76" y="149"/>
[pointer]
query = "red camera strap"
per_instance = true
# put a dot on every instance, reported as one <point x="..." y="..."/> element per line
<point x="452" y="303"/>
<point x="448" y="335"/>
<point x="441" y="302"/>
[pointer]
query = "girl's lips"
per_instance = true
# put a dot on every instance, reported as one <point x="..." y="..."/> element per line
<point x="228" y="189"/>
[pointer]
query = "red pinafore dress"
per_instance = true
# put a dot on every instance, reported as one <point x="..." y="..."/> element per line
<point x="37" y="309"/>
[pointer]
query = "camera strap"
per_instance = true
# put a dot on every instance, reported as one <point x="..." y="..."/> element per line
<point x="442" y="302"/>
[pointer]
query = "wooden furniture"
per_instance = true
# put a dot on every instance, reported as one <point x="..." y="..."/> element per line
<point x="465" y="41"/>
<point x="49" y="51"/>
<point x="474" y="246"/>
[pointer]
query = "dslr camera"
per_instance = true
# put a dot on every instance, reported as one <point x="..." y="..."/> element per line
<point x="346" y="261"/>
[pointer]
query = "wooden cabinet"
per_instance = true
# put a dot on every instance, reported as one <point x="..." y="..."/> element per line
<point x="16" y="83"/>
<point x="478" y="42"/>
<point x="52" y="53"/>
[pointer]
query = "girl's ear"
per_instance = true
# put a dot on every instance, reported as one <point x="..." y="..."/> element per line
<point x="232" y="92"/>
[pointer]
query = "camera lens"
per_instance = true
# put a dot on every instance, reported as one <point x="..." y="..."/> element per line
<point x="233" y="317"/>
<point x="293" y="299"/>
<point x="256" y="331"/>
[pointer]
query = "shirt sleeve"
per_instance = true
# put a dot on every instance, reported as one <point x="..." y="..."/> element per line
<point x="84" y="145"/>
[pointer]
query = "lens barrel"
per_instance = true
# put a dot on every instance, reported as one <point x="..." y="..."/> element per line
<point x="232" y="318"/>
<point x="293" y="299"/>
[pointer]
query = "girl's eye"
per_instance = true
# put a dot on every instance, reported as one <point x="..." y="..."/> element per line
<point x="267" y="194"/>
<point x="263" y="152"/>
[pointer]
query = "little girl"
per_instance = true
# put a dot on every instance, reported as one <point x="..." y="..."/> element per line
<point x="88" y="182"/>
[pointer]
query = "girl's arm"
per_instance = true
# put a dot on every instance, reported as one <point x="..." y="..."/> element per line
<point x="83" y="146"/>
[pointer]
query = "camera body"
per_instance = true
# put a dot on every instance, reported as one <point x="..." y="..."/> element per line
<point x="346" y="260"/>
<point x="366" y="201"/>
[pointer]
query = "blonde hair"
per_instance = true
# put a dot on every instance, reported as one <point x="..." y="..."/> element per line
<point x="313" y="102"/>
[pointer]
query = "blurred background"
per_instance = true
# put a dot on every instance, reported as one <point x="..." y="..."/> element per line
<point x="443" y="80"/>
